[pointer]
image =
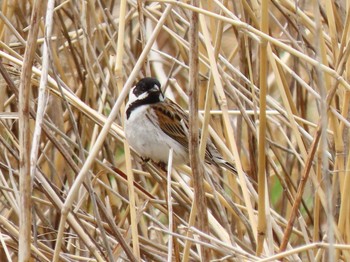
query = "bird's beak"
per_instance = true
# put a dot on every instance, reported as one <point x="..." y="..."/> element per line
<point x="155" y="88"/>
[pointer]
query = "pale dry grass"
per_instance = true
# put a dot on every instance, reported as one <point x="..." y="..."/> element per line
<point x="273" y="95"/>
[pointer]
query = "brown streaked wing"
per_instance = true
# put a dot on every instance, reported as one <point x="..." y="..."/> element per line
<point x="175" y="124"/>
<point x="172" y="122"/>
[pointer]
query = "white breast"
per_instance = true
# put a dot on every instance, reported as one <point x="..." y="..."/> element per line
<point x="149" y="141"/>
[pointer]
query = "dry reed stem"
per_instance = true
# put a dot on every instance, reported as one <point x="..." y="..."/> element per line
<point x="261" y="227"/>
<point x="118" y="71"/>
<point x="198" y="172"/>
<point x="25" y="181"/>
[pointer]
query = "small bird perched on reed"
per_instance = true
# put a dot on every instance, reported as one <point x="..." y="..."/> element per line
<point x="154" y="124"/>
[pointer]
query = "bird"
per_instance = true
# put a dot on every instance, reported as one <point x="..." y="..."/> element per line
<point x="154" y="124"/>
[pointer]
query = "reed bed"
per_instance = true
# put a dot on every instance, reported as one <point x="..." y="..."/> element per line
<point x="273" y="95"/>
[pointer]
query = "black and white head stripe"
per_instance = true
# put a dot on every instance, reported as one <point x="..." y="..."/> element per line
<point x="147" y="91"/>
<point x="146" y="85"/>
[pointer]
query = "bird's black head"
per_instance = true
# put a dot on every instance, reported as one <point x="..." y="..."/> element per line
<point x="147" y="85"/>
<point x="147" y="91"/>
